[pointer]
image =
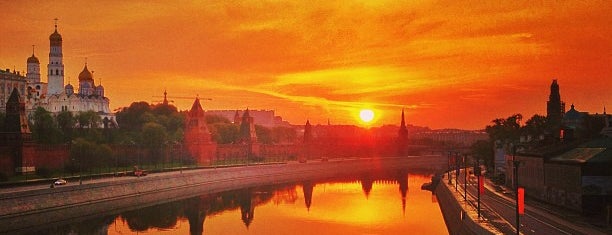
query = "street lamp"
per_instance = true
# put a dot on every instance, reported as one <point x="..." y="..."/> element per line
<point x="181" y="156"/>
<point x="478" y="174"/>
<point x="456" y="171"/>
<point x="79" y="160"/>
<point x="515" y="163"/>
<point x="448" y="168"/>
<point x="465" y="171"/>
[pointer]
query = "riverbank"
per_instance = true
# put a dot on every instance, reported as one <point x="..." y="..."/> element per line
<point x="498" y="212"/>
<point x="24" y="209"/>
<point x="458" y="216"/>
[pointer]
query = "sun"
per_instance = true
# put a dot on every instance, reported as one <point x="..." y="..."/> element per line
<point x="366" y="115"/>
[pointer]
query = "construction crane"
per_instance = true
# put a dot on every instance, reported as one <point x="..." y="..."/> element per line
<point x="166" y="101"/>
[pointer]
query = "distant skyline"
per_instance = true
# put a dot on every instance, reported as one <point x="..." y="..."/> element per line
<point x="450" y="64"/>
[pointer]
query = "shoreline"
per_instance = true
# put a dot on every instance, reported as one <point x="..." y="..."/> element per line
<point x="23" y="209"/>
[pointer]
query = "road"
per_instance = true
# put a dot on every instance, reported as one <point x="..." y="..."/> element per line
<point x="499" y="208"/>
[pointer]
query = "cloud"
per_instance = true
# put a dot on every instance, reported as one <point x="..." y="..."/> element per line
<point x="432" y="56"/>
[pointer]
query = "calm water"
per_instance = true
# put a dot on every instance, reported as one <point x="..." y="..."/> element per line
<point x="365" y="204"/>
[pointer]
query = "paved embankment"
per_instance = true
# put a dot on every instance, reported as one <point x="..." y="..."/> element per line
<point x="458" y="216"/>
<point x="24" y="209"/>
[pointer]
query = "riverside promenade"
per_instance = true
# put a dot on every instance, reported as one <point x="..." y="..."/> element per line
<point x="31" y="206"/>
<point x="498" y="214"/>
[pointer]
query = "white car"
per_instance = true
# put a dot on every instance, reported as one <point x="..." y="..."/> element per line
<point x="60" y="182"/>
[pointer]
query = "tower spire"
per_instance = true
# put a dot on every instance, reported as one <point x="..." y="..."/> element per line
<point x="165" y="102"/>
<point x="403" y="120"/>
<point x="33" y="50"/>
<point x="402" y="137"/>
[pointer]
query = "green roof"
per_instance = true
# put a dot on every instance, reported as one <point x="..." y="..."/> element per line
<point x="594" y="151"/>
<point x="578" y="155"/>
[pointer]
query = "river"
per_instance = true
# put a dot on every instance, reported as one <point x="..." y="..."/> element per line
<point x="388" y="203"/>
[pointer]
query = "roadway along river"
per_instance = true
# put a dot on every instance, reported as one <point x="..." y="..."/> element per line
<point x="501" y="211"/>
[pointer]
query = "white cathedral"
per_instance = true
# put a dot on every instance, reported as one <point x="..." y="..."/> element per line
<point x="55" y="97"/>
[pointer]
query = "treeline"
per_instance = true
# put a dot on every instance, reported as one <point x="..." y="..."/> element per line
<point x="536" y="132"/>
<point x="150" y="131"/>
<point x="225" y="132"/>
<point x="141" y="124"/>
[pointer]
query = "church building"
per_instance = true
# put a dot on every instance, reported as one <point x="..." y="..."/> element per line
<point x="55" y="97"/>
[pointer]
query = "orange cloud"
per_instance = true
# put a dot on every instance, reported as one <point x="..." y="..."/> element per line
<point x="322" y="59"/>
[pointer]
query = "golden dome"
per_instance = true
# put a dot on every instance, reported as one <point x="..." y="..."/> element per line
<point x="85" y="75"/>
<point x="33" y="59"/>
<point x="55" y="38"/>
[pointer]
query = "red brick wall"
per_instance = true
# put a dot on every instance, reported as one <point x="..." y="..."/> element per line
<point x="7" y="165"/>
<point x="49" y="156"/>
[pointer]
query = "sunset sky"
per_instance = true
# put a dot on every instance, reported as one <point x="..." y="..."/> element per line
<point x="450" y="64"/>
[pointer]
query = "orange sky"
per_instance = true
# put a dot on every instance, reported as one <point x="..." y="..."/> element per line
<point x="449" y="63"/>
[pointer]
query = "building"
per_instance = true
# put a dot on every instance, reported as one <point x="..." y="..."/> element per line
<point x="581" y="178"/>
<point x="55" y="68"/>
<point x="198" y="140"/>
<point x="56" y="97"/>
<point x="607" y="130"/>
<point x="16" y="142"/>
<point x="555" y="108"/>
<point x="204" y="150"/>
<point x="89" y="98"/>
<point x="265" y="118"/>
<point x="573" y="123"/>
<point x="9" y="81"/>
<point x="37" y="89"/>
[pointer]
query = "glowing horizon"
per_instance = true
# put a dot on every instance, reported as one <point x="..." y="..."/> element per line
<point x="449" y="64"/>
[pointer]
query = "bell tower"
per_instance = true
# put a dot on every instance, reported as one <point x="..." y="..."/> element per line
<point x="33" y="65"/>
<point x="55" y="72"/>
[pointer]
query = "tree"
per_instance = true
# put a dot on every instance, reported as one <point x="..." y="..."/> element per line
<point x="592" y="126"/>
<point x="85" y="154"/>
<point x="44" y="130"/>
<point x="154" y="136"/>
<point x="537" y="125"/>
<point x="65" y="121"/>
<point x="506" y="130"/>
<point x="80" y="152"/>
<point x="131" y="118"/>
<point x="224" y="133"/>
<point x="264" y="134"/>
<point x="483" y="149"/>
<point x="282" y="134"/>
<point x="88" y="119"/>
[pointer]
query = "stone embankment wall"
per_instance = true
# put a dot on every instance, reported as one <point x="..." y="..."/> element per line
<point x="21" y="210"/>
<point x="458" y="217"/>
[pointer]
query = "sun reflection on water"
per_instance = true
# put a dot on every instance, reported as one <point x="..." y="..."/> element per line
<point x="340" y="207"/>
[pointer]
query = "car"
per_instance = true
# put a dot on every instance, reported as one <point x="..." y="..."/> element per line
<point x="60" y="182"/>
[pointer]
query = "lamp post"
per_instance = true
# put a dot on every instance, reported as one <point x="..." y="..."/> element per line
<point x="515" y="163"/>
<point x="80" y="169"/>
<point x="181" y="156"/>
<point x="477" y="173"/>
<point x="465" y="171"/>
<point x="79" y="158"/>
<point x="456" y="171"/>
<point x="448" y="168"/>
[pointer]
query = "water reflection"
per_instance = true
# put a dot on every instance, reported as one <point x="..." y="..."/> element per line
<point x="367" y="203"/>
